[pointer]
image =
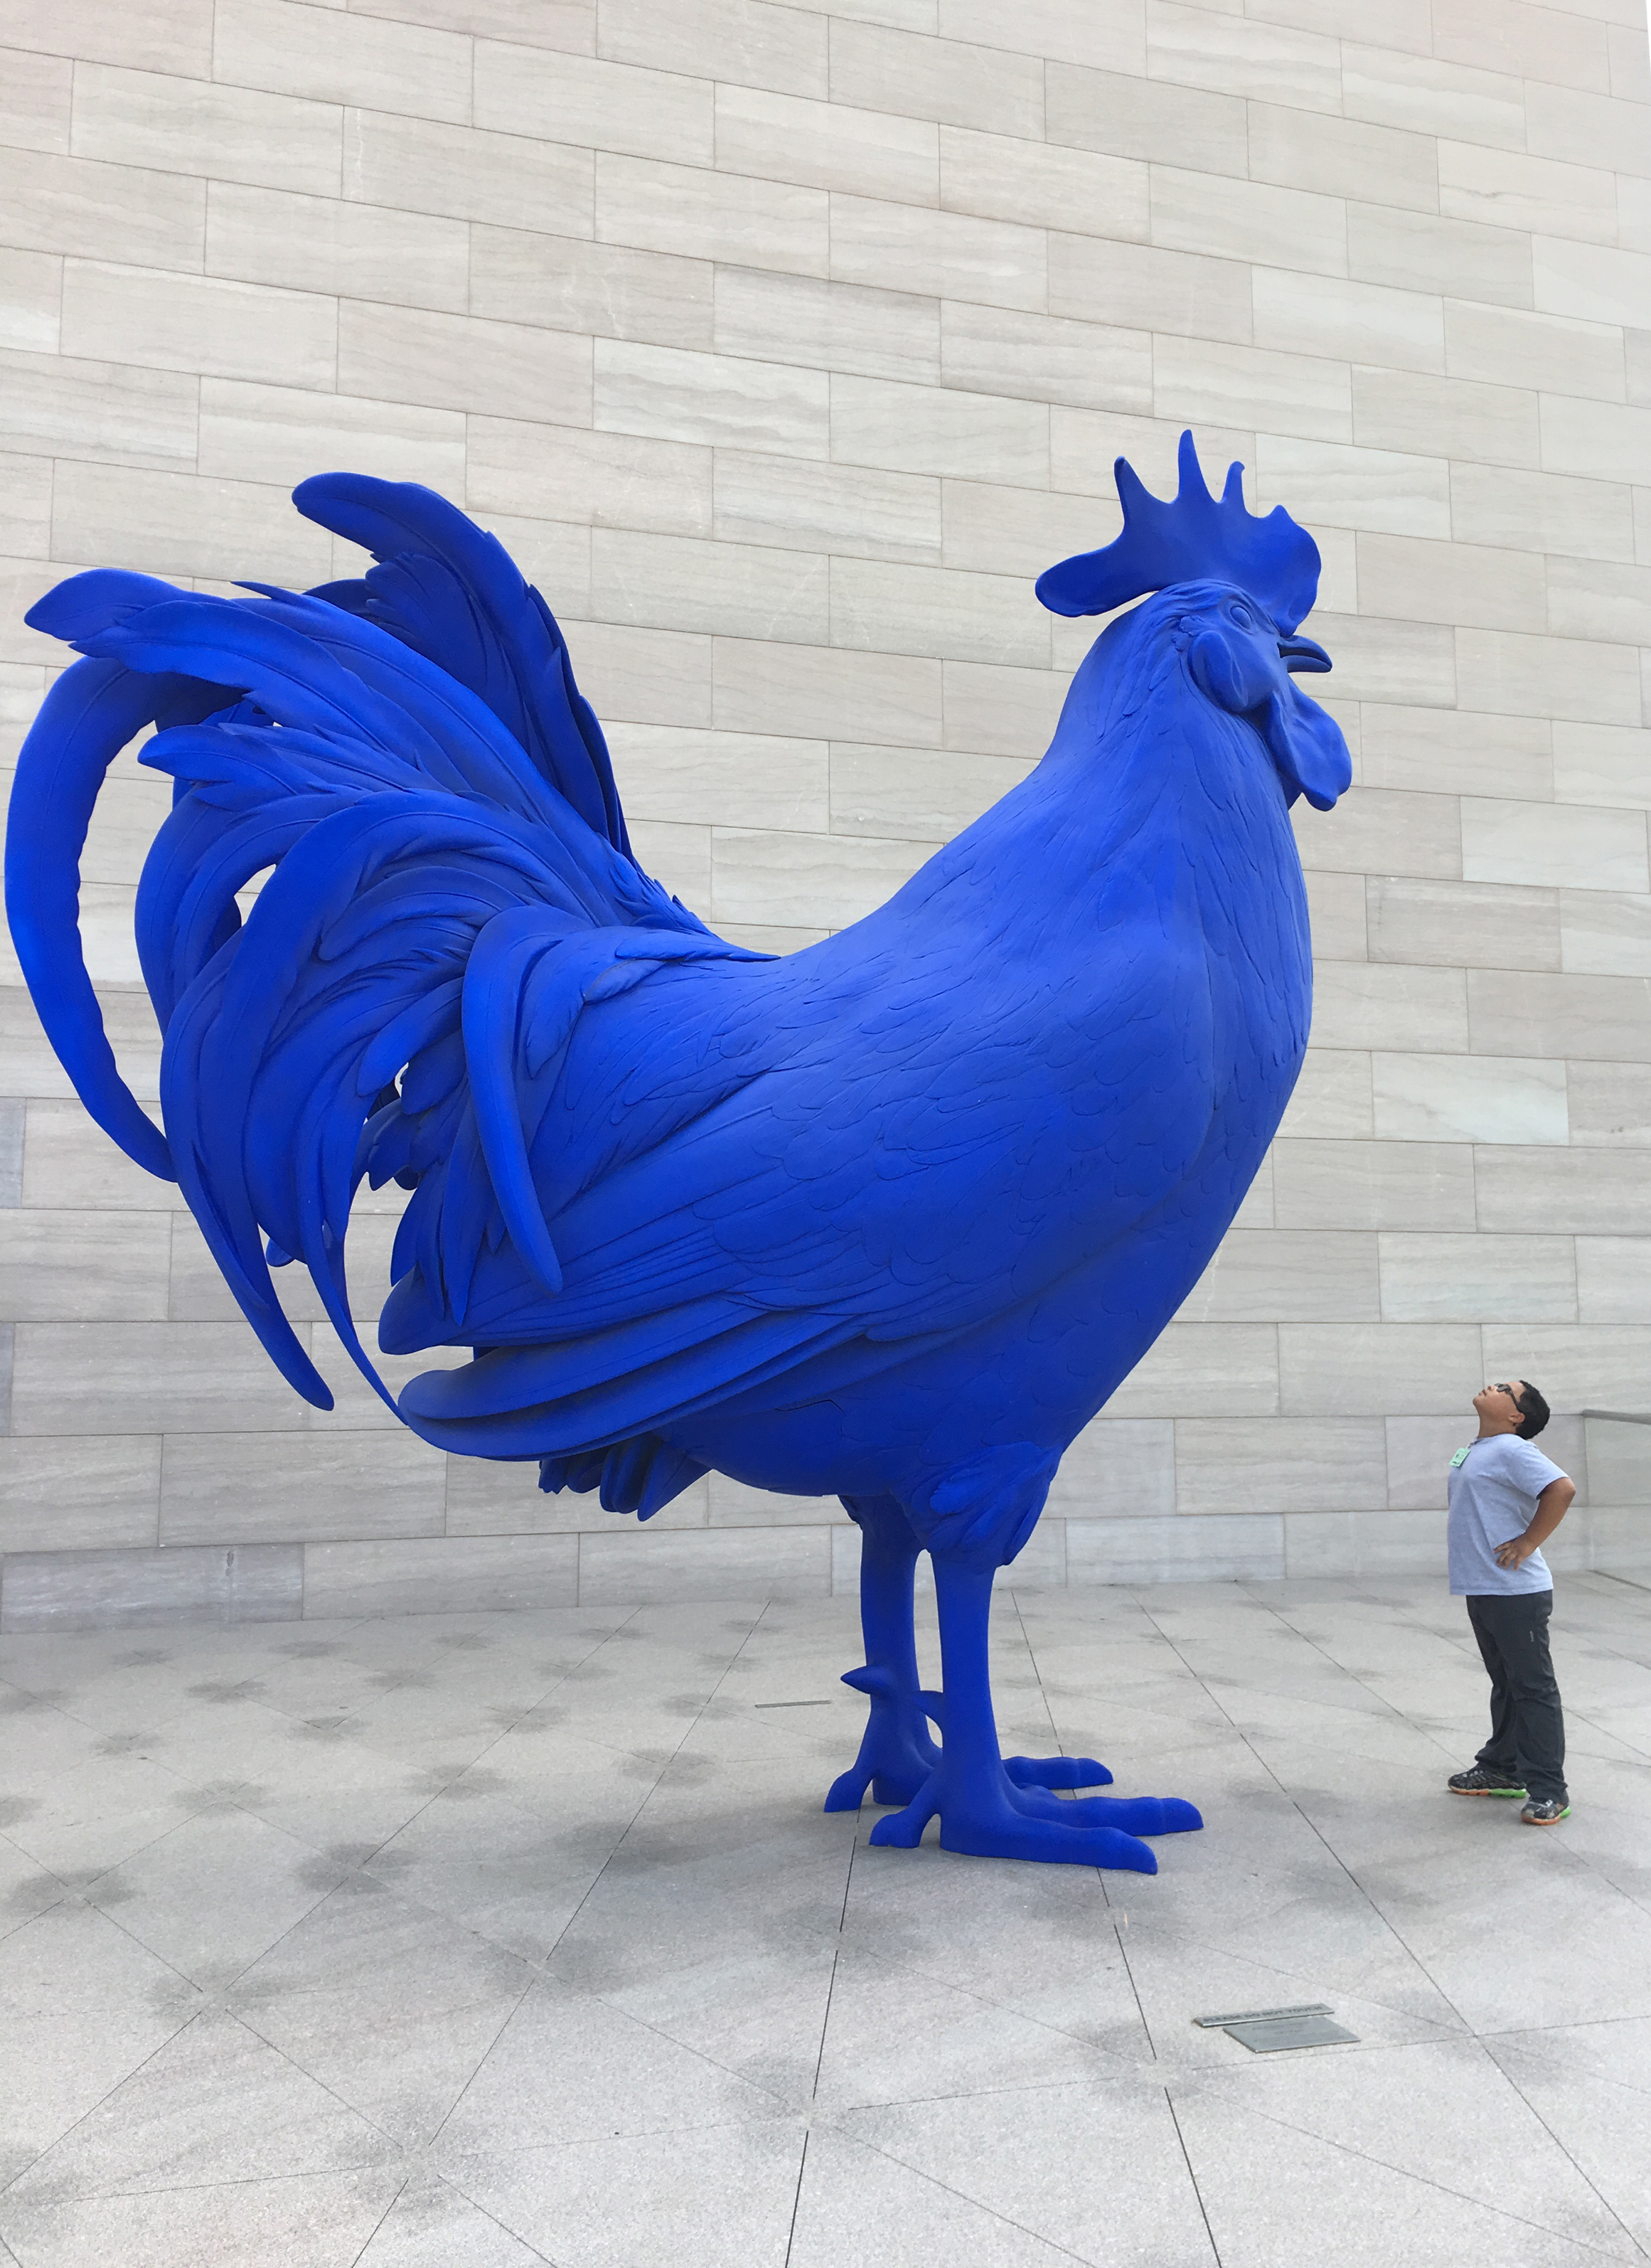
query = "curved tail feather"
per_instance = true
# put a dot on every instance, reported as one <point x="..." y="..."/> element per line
<point x="409" y="763"/>
<point x="452" y="593"/>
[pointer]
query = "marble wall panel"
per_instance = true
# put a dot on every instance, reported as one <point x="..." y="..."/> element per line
<point x="1000" y="711"/>
<point x="1606" y="1017"/>
<point x="1152" y="120"/>
<point x="343" y="56"/>
<point x="100" y="410"/>
<point x="1416" y="252"/>
<point x="1045" y="358"/>
<point x="81" y="206"/>
<point x="1384" y="831"/>
<point x="1609" y="1103"/>
<point x="1119" y="1467"/>
<point x="1477" y="1279"/>
<point x="685" y="211"/>
<point x="92" y="1378"/>
<point x="1415" y="89"/>
<point x="882" y="67"/>
<point x="1579" y="1365"/>
<point x="442" y="1574"/>
<point x="176" y="524"/>
<point x="1329" y="315"/>
<point x="962" y="617"/>
<point x="460" y="362"/>
<point x="413" y="165"/>
<point x="1379" y="1005"/>
<point x="137" y="1590"/>
<point x="1455" y="752"/>
<point x="1551" y="352"/>
<point x="607" y="291"/>
<point x="1546" y="844"/>
<point x="761" y="877"/>
<point x="323" y="245"/>
<point x="85" y="1493"/>
<point x="281" y="435"/>
<point x="1606" y="932"/>
<point x="174" y="35"/>
<point x="680" y="582"/>
<point x="1149" y="287"/>
<point x="1042" y="184"/>
<point x="633" y="1565"/>
<point x="181" y="125"/>
<point x="1240" y="55"/>
<point x="1373" y="1185"/>
<point x="1332" y="1098"/>
<point x="60" y="1267"/>
<point x="729" y="779"/>
<point x="1587" y="1191"/>
<point x="1384" y="490"/>
<point x="1228" y="1369"/>
<point x="911" y="428"/>
<point x="1223" y="1547"/>
<point x="604" y="479"/>
<point x="1460" y="1098"/>
<point x="784" y="348"/>
<point x="759" y="44"/>
<point x="1250" y="1465"/>
<point x="760" y="686"/>
<point x="1345" y="1369"/>
<point x="1266" y="1275"/>
<point x="293" y="1487"/>
<point x="828" y="145"/>
<point x="595" y="103"/>
<point x="1465" y="925"/>
<point x="1613" y="1280"/>
<point x="856" y="328"/>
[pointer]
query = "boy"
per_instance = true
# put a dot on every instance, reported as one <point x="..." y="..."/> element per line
<point x="1505" y="1499"/>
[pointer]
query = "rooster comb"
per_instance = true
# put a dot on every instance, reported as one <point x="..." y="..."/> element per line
<point x="1193" y="539"/>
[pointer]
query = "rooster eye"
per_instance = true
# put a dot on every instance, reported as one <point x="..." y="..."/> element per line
<point x="1243" y="617"/>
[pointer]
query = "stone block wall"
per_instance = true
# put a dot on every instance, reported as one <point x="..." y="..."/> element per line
<point x="785" y="346"/>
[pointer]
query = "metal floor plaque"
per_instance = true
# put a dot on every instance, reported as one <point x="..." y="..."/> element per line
<point x="1266" y="2030"/>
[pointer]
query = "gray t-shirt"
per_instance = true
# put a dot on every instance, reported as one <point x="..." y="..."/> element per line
<point x="1493" y="1493"/>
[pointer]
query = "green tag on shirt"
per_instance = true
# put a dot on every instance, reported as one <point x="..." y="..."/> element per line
<point x="1458" y="1457"/>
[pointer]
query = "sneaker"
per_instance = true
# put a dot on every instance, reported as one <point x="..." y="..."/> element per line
<point x="1548" y="1813"/>
<point x="1477" y="1781"/>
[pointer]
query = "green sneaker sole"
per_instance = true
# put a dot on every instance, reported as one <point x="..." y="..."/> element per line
<point x="1521" y="1794"/>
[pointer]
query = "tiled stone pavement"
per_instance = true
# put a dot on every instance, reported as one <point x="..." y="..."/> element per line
<point x="483" y="1941"/>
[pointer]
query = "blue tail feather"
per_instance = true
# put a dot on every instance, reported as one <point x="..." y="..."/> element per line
<point x="410" y="764"/>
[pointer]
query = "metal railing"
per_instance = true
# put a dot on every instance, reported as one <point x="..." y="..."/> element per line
<point x="1617" y="1447"/>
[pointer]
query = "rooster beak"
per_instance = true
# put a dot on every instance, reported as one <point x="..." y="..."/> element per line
<point x="1301" y="654"/>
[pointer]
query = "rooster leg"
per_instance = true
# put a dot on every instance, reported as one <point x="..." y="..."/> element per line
<point x="896" y="1753"/>
<point x="982" y="1810"/>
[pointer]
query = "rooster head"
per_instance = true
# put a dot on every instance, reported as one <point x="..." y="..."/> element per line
<point x="1239" y="584"/>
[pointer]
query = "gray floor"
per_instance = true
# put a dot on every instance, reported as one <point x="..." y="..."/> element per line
<point x="475" y="1942"/>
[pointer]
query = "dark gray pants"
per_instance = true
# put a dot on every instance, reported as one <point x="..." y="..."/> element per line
<point x="1527" y="1725"/>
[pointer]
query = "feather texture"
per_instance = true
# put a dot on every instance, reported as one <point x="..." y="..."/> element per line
<point x="913" y="1200"/>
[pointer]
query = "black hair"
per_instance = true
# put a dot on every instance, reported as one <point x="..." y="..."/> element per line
<point x="1534" y="1409"/>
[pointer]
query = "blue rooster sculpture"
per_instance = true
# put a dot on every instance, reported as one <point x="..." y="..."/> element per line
<point x="888" y="1218"/>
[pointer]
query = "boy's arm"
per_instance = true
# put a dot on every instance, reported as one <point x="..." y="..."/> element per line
<point x="1551" y="1506"/>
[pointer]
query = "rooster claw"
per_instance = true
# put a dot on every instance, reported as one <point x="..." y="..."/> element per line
<point x="1057" y="1772"/>
<point x="997" y="1828"/>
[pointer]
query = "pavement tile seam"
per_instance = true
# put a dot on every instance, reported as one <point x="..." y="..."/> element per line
<point x="1428" y="2180"/>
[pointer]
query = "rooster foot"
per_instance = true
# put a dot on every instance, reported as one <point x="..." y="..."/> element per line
<point x="1057" y="1772"/>
<point x="896" y="1753"/>
<point x="1003" y="1820"/>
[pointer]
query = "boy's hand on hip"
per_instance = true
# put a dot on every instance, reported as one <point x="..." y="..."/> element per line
<point x="1516" y="1551"/>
